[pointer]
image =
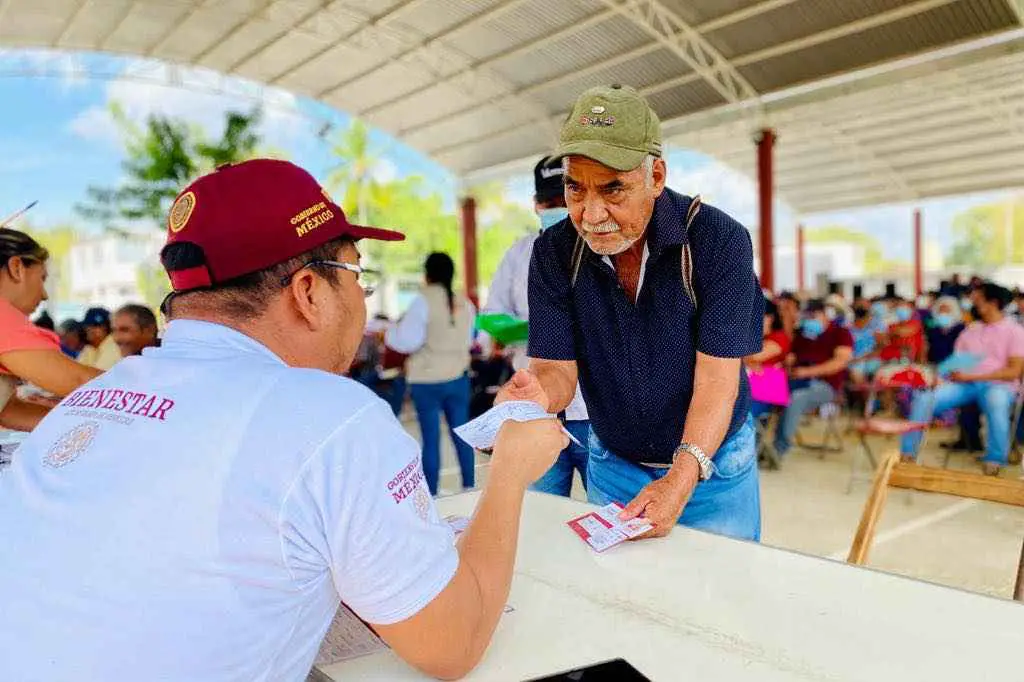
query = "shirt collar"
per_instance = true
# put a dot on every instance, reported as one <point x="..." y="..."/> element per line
<point x="209" y="338"/>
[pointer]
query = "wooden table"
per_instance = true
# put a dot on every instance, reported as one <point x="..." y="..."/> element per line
<point x="696" y="606"/>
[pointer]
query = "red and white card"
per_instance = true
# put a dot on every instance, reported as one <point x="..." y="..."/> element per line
<point x="602" y="529"/>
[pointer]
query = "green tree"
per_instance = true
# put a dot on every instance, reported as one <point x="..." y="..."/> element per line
<point x="988" y="235"/>
<point x="161" y="157"/>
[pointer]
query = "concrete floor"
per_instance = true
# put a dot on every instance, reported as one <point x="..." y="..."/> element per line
<point x="967" y="544"/>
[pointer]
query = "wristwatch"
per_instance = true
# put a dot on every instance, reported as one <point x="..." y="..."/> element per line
<point x="703" y="461"/>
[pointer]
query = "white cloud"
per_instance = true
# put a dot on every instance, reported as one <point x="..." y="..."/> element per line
<point x="384" y="171"/>
<point x="200" y="97"/>
<point x="719" y="185"/>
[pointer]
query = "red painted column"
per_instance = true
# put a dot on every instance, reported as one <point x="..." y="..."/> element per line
<point x="799" y="257"/>
<point x="469" y="248"/>
<point x="766" y="190"/>
<point x="918" y="254"/>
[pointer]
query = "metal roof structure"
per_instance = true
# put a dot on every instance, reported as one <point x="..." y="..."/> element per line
<point x="481" y="85"/>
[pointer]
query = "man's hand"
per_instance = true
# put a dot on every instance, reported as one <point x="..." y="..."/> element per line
<point x="960" y="378"/>
<point x="799" y="373"/>
<point x="526" y="450"/>
<point x="524" y="385"/>
<point x="662" y="501"/>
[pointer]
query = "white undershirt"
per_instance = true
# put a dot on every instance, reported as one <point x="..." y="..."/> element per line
<point x="643" y="269"/>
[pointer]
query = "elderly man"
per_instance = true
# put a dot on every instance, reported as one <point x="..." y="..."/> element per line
<point x="197" y="512"/>
<point x="134" y="329"/>
<point x="651" y="303"/>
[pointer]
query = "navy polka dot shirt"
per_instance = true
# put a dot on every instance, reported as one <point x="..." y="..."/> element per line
<point x="636" y="361"/>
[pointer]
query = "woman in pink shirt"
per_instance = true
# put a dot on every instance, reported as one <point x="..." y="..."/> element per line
<point x="27" y="352"/>
<point x="991" y="384"/>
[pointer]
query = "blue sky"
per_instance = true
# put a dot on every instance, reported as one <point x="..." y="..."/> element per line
<point x="56" y="139"/>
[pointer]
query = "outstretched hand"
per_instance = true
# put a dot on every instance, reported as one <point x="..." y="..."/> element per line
<point x="524" y="385"/>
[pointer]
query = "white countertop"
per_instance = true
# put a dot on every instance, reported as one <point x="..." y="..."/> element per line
<point x="696" y="606"/>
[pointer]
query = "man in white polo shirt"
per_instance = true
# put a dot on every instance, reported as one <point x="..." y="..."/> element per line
<point x="197" y="512"/>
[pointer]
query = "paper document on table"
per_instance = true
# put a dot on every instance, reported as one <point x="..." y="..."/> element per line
<point x="483" y="431"/>
<point x="602" y="529"/>
<point x="347" y="637"/>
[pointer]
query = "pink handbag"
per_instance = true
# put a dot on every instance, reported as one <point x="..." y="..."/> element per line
<point x="769" y="385"/>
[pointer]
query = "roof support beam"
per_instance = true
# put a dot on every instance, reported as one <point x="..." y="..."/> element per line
<point x="743" y="14"/>
<point x="66" y="29"/>
<point x="1017" y="7"/>
<point x="851" y="28"/>
<point x="543" y="41"/>
<point x="162" y="40"/>
<point x="683" y="40"/>
<point x="426" y="50"/>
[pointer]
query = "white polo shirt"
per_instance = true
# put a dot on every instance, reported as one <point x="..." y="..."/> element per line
<point x="195" y="513"/>
<point x="508" y="294"/>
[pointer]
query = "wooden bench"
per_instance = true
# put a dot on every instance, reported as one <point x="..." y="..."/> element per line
<point x="892" y="473"/>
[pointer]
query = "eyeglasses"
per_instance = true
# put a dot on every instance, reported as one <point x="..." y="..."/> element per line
<point x="367" y="273"/>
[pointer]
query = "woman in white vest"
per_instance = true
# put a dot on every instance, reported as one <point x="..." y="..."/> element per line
<point x="436" y="332"/>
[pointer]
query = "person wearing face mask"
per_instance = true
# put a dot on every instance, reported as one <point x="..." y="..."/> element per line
<point x="991" y="384"/>
<point x="905" y="339"/>
<point x="509" y="294"/>
<point x="650" y="300"/>
<point x="947" y="322"/>
<point x="819" y="359"/>
<point x="865" y="344"/>
<point x="28" y="353"/>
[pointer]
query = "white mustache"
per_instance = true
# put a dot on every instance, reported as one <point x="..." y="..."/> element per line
<point x="601" y="228"/>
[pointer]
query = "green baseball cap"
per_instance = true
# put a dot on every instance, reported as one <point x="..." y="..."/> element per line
<point x="613" y="125"/>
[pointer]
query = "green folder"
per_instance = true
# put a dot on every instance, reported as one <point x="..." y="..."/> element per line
<point x="503" y="328"/>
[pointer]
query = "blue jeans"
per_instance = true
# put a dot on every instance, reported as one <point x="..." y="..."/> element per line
<point x="994" y="399"/>
<point x="729" y="503"/>
<point x="801" y="401"/>
<point x="558" y="479"/>
<point x="429" y="400"/>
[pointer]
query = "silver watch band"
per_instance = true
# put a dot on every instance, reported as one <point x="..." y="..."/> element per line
<point x="703" y="461"/>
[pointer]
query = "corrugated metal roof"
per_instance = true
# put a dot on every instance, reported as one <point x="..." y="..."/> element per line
<point x="480" y="83"/>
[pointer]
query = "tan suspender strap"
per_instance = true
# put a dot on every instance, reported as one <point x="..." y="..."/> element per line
<point x="577" y="259"/>
<point x="686" y="255"/>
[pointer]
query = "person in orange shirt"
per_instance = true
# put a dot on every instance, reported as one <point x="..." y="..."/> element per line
<point x="27" y="352"/>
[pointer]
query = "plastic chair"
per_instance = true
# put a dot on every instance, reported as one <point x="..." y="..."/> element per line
<point x="887" y="379"/>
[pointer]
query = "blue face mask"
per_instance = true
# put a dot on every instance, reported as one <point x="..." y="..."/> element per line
<point x="904" y="314"/>
<point x="879" y="310"/>
<point x="944" y="320"/>
<point x="552" y="216"/>
<point x="812" y="328"/>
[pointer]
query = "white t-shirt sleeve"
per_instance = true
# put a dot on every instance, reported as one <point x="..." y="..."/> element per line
<point x="389" y="552"/>
<point x="410" y="332"/>
<point x="499" y="296"/>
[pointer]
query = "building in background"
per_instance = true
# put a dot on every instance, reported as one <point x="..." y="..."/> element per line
<point x="104" y="271"/>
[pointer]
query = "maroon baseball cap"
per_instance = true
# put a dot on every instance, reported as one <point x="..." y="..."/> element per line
<point x="246" y="217"/>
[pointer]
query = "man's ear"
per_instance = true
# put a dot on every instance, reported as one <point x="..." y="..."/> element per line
<point x="306" y="297"/>
<point x="660" y="176"/>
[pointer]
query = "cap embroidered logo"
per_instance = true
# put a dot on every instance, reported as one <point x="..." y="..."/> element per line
<point x="181" y="212"/>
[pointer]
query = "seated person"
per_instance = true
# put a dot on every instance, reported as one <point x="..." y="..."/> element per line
<point x="905" y="340"/>
<point x="865" y="344"/>
<point x="775" y="347"/>
<point x="264" y="488"/>
<point x="819" y="359"/>
<point x="991" y="385"/>
<point x="947" y="323"/>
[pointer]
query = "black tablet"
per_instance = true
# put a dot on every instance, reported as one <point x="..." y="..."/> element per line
<point x="617" y="670"/>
